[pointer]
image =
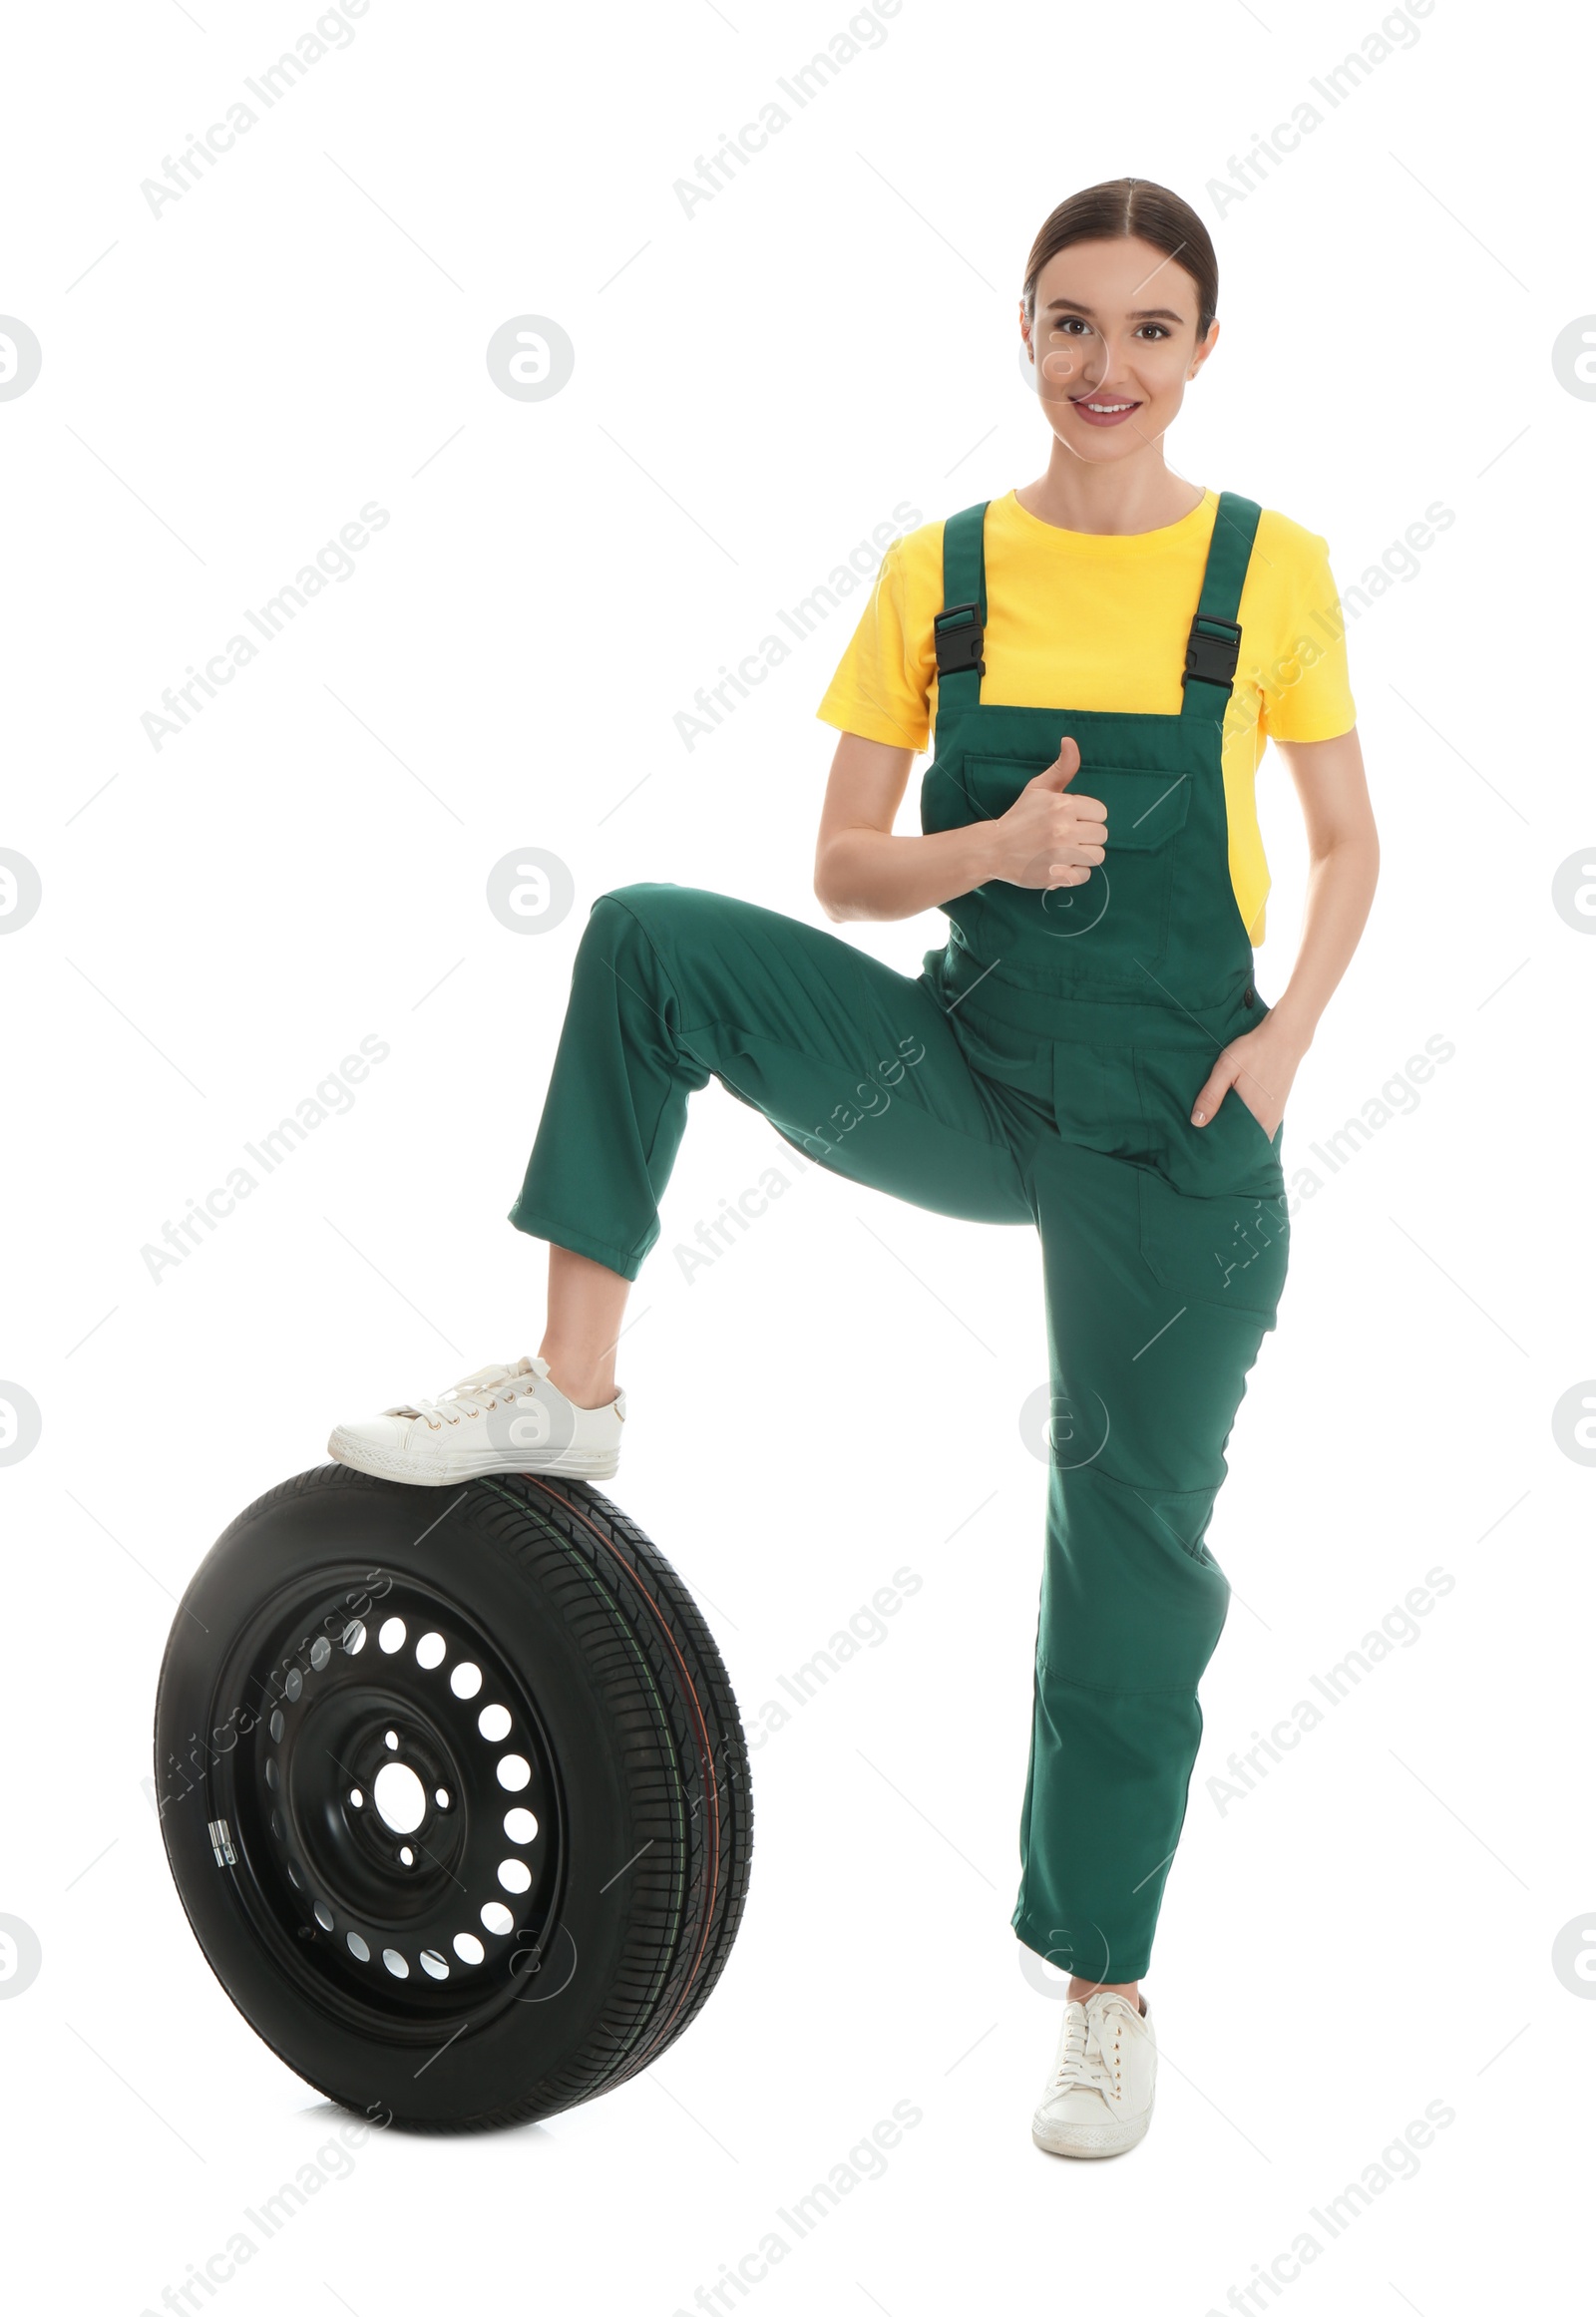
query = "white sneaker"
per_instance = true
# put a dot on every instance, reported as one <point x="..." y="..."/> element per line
<point x="500" y="1419"/>
<point x="1099" y="2097"/>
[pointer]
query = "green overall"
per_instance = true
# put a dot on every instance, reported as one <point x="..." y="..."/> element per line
<point x="1040" y="1069"/>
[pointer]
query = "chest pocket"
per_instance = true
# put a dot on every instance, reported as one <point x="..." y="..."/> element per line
<point x="1145" y="809"/>
<point x="1117" y="923"/>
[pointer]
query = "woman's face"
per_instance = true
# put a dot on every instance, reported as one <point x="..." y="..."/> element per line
<point x="1113" y="343"/>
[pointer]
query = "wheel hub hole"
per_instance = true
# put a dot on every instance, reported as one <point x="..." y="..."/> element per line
<point x="400" y="1796"/>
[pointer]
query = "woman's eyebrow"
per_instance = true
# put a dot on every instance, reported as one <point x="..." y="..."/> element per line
<point x="1137" y="313"/>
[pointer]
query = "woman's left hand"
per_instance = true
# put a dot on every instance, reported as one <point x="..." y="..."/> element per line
<point x="1260" y="1067"/>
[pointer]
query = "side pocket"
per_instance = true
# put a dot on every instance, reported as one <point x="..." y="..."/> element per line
<point x="1231" y="1154"/>
<point x="1227" y="1249"/>
<point x="1272" y="1141"/>
<point x="1213" y="1220"/>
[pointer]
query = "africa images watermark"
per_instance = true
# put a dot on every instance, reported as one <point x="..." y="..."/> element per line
<point x="865" y="30"/>
<point x="333" y="2160"/>
<point x="713" y="704"/>
<point x="1252" y="1236"/>
<point x="331" y="1098"/>
<point x="341" y="1626"/>
<point x="1399" y="1097"/>
<point x="865" y="2160"/>
<point x="865" y="1628"/>
<point x="332" y="30"/>
<point x="1397" y="1628"/>
<point x="1398" y="2160"/>
<point x="335" y="562"/>
<point x="1396" y="30"/>
<point x="1399" y="563"/>
<point x="721" y="1233"/>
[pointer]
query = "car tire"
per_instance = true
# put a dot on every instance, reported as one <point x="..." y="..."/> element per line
<point x="456" y="1799"/>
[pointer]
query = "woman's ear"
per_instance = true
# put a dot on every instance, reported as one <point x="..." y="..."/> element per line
<point x="1202" y="351"/>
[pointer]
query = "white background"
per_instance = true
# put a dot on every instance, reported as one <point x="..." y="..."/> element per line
<point x="1371" y="1928"/>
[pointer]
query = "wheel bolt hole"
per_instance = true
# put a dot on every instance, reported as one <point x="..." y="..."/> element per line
<point x="440" y="1797"/>
<point x="358" y="1800"/>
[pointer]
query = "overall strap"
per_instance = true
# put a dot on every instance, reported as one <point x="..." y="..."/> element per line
<point x="1214" y="645"/>
<point x="959" y="629"/>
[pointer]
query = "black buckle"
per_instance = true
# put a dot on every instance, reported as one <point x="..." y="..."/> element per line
<point x="1212" y="652"/>
<point x="959" y="635"/>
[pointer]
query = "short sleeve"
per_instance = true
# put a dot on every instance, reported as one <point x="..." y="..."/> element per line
<point x="879" y="691"/>
<point x="1309" y="695"/>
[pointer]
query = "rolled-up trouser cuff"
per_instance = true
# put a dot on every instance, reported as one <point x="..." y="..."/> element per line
<point x="538" y="1226"/>
<point x="1132" y="1963"/>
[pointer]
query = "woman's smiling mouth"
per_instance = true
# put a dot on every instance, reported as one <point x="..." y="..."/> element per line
<point x="1102" y="409"/>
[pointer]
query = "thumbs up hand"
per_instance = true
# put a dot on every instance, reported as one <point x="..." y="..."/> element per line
<point x="1049" y="836"/>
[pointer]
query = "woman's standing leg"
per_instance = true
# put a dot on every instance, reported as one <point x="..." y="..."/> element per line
<point x="1153" y="1328"/>
<point x="1149" y="1350"/>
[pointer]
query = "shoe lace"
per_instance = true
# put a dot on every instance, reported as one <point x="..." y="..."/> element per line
<point x="1084" y="2057"/>
<point x="482" y="1389"/>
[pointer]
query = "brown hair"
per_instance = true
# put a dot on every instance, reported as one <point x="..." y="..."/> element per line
<point x="1122" y="207"/>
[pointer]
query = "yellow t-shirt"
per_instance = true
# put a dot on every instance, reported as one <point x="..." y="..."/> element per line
<point x="1078" y="621"/>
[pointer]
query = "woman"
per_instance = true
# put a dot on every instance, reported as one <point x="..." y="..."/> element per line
<point x="1102" y="654"/>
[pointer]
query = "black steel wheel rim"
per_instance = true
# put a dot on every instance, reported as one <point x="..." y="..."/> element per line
<point x="389" y="1806"/>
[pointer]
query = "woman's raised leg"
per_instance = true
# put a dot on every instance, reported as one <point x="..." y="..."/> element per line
<point x="587" y="1301"/>
<point x="855" y="1064"/>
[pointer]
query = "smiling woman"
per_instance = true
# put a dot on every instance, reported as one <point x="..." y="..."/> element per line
<point x="1188" y="273"/>
<point x="1099" y="563"/>
<point x="1104" y="878"/>
<point x="1091" y="654"/>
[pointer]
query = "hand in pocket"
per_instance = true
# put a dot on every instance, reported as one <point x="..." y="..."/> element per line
<point x="1256" y="1072"/>
<point x="1239" y="1092"/>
